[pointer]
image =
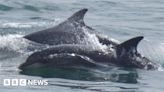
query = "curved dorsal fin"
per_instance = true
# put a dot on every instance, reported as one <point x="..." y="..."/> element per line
<point x="78" y="16"/>
<point x="129" y="45"/>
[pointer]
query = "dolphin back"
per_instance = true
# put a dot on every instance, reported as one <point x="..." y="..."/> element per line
<point x="128" y="56"/>
<point x="129" y="46"/>
<point x="66" y="32"/>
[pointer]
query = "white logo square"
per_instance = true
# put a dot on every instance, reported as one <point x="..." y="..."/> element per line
<point x="14" y="82"/>
<point x="6" y="82"/>
<point x="22" y="82"/>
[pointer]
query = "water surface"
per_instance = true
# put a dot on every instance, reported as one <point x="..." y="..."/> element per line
<point x="120" y="19"/>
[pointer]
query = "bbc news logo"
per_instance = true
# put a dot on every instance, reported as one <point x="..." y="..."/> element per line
<point x="24" y="82"/>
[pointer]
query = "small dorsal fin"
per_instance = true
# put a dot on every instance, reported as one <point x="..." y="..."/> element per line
<point x="78" y="16"/>
<point x="129" y="46"/>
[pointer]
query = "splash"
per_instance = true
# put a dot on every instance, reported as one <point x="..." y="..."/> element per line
<point x="153" y="51"/>
<point x="22" y="25"/>
<point x="6" y="24"/>
<point x="93" y="40"/>
<point x="160" y="68"/>
<point x="16" y="43"/>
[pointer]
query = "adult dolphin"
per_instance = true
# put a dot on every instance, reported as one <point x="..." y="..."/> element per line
<point x="71" y="31"/>
<point x="68" y="56"/>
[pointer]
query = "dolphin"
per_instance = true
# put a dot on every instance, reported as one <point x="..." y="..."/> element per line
<point x="77" y="56"/>
<point x="71" y="31"/>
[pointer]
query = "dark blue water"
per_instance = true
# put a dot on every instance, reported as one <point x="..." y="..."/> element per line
<point x="120" y="19"/>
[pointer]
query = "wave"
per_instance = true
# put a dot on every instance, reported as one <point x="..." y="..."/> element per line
<point x="4" y="24"/>
<point x="5" y="7"/>
<point x="16" y="43"/>
<point x="31" y="8"/>
<point x="12" y="42"/>
<point x="153" y="51"/>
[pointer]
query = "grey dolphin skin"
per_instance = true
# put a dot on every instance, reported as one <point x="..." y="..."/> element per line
<point x="68" y="56"/>
<point x="71" y="31"/>
<point x="70" y="48"/>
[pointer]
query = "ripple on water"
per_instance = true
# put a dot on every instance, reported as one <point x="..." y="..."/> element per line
<point x="118" y="18"/>
<point x="5" y="7"/>
<point x="31" y="8"/>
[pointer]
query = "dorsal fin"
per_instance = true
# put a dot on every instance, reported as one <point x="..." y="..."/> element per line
<point x="78" y="16"/>
<point x="129" y="46"/>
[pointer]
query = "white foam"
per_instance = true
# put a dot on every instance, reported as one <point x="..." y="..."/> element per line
<point x="93" y="40"/>
<point x="160" y="68"/>
<point x="13" y="42"/>
<point x="4" y="24"/>
<point x="114" y="40"/>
